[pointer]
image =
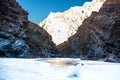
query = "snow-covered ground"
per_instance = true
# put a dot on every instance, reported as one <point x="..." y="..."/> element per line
<point x="57" y="69"/>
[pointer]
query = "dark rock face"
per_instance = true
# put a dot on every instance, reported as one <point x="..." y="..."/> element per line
<point x="19" y="37"/>
<point x="40" y="41"/>
<point x="98" y="37"/>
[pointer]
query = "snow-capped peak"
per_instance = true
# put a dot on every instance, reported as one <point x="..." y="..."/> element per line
<point x="62" y="25"/>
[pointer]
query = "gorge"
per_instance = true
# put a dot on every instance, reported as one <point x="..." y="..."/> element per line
<point x="91" y="32"/>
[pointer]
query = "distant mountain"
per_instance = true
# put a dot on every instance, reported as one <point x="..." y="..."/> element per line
<point x="62" y="25"/>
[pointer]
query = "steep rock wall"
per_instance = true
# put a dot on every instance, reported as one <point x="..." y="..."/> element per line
<point x="98" y="37"/>
<point x="19" y="37"/>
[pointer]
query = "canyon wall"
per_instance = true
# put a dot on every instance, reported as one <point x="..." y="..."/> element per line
<point x="20" y="37"/>
<point x="98" y="37"/>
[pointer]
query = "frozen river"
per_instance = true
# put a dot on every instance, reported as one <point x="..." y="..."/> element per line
<point x="57" y="69"/>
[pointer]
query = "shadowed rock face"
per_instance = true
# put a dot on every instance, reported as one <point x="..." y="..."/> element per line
<point x="40" y="41"/>
<point x="19" y="37"/>
<point x="98" y="37"/>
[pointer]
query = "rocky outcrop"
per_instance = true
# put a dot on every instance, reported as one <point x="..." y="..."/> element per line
<point x="19" y="37"/>
<point x="98" y="37"/>
<point x="40" y="41"/>
<point x="62" y="25"/>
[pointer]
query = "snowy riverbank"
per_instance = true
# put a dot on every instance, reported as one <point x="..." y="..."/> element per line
<point x="57" y="69"/>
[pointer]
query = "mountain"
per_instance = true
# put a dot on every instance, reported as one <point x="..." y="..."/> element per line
<point x="98" y="37"/>
<point x="62" y="25"/>
<point x="20" y="37"/>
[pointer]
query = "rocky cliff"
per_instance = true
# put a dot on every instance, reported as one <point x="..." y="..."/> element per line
<point x="19" y="37"/>
<point x="98" y="37"/>
<point x="62" y="25"/>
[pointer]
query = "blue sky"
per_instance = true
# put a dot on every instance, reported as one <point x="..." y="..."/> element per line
<point x="39" y="9"/>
